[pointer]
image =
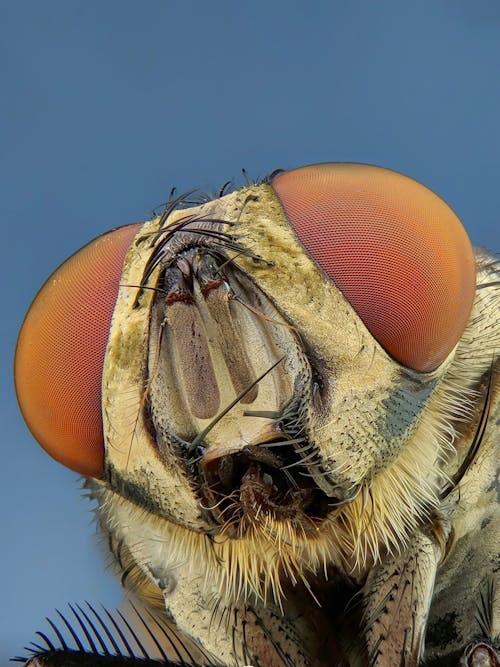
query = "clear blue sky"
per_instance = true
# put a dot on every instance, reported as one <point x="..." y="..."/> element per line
<point x="105" y="105"/>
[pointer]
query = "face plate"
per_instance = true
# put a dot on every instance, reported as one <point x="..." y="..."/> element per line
<point x="351" y="414"/>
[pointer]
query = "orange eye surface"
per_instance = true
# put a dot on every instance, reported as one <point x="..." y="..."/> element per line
<point x="60" y="352"/>
<point x="397" y="252"/>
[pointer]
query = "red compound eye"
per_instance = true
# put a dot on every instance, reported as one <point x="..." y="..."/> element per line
<point x="398" y="253"/>
<point x="60" y="352"/>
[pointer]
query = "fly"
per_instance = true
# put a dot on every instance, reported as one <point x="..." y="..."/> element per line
<point x="285" y="402"/>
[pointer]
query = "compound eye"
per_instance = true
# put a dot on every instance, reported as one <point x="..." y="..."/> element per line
<point x="398" y="253"/>
<point x="60" y="352"/>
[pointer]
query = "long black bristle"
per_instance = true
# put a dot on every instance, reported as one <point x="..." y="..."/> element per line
<point x="97" y="642"/>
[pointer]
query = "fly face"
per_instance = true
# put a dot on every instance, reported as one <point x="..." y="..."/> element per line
<point x="281" y="387"/>
<point x="239" y="375"/>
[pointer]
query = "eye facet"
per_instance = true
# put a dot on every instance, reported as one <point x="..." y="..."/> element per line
<point x="398" y="253"/>
<point x="60" y="352"/>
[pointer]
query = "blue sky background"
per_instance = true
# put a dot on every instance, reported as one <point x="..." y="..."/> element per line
<point x="106" y="104"/>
